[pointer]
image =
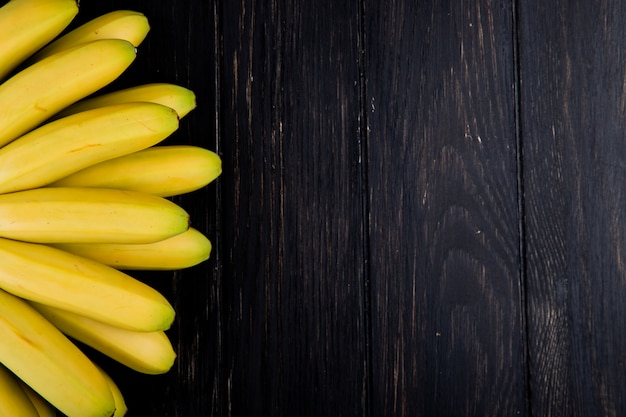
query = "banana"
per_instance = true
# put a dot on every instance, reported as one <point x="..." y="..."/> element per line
<point x="39" y="91"/>
<point x="145" y="352"/>
<point x="27" y="25"/>
<point x="89" y="215"/>
<point x="50" y="276"/>
<point x="174" y="96"/>
<point x="13" y="400"/>
<point x="45" y="359"/>
<point x="181" y="251"/>
<point x="118" y="397"/>
<point x="43" y="407"/>
<point x="67" y="145"/>
<point x="160" y="170"/>
<point x="119" y="24"/>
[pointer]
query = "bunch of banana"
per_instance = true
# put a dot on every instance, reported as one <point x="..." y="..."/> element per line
<point x="85" y="187"/>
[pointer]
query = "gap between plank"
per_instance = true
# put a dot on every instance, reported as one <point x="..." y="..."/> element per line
<point x="521" y="210"/>
<point x="363" y="156"/>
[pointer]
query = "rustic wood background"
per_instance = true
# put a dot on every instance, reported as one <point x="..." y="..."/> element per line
<point x="421" y="211"/>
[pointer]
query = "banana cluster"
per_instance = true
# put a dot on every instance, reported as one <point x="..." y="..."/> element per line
<point x="85" y="187"/>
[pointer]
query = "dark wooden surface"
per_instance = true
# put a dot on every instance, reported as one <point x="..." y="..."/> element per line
<point x="421" y="211"/>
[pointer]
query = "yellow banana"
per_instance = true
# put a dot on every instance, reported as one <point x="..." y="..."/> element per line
<point x="119" y="24"/>
<point x="145" y="352"/>
<point x="45" y="359"/>
<point x="13" y="399"/>
<point x="64" y="146"/>
<point x="27" y="25"/>
<point x="39" y="91"/>
<point x="118" y="397"/>
<point x="181" y="251"/>
<point x="69" y="282"/>
<point x="174" y="96"/>
<point x="43" y="407"/>
<point x="160" y="170"/>
<point x="89" y="215"/>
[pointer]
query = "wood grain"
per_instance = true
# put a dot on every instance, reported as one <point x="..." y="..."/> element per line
<point x="293" y="222"/>
<point x="447" y="322"/>
<point x="572" y="70"/>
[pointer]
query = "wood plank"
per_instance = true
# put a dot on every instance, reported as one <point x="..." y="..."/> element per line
<point x="573" y="124"/>
<point x="180" y="48"/>
<point x="293" y="234"/>
<point x="447" y="322"/>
